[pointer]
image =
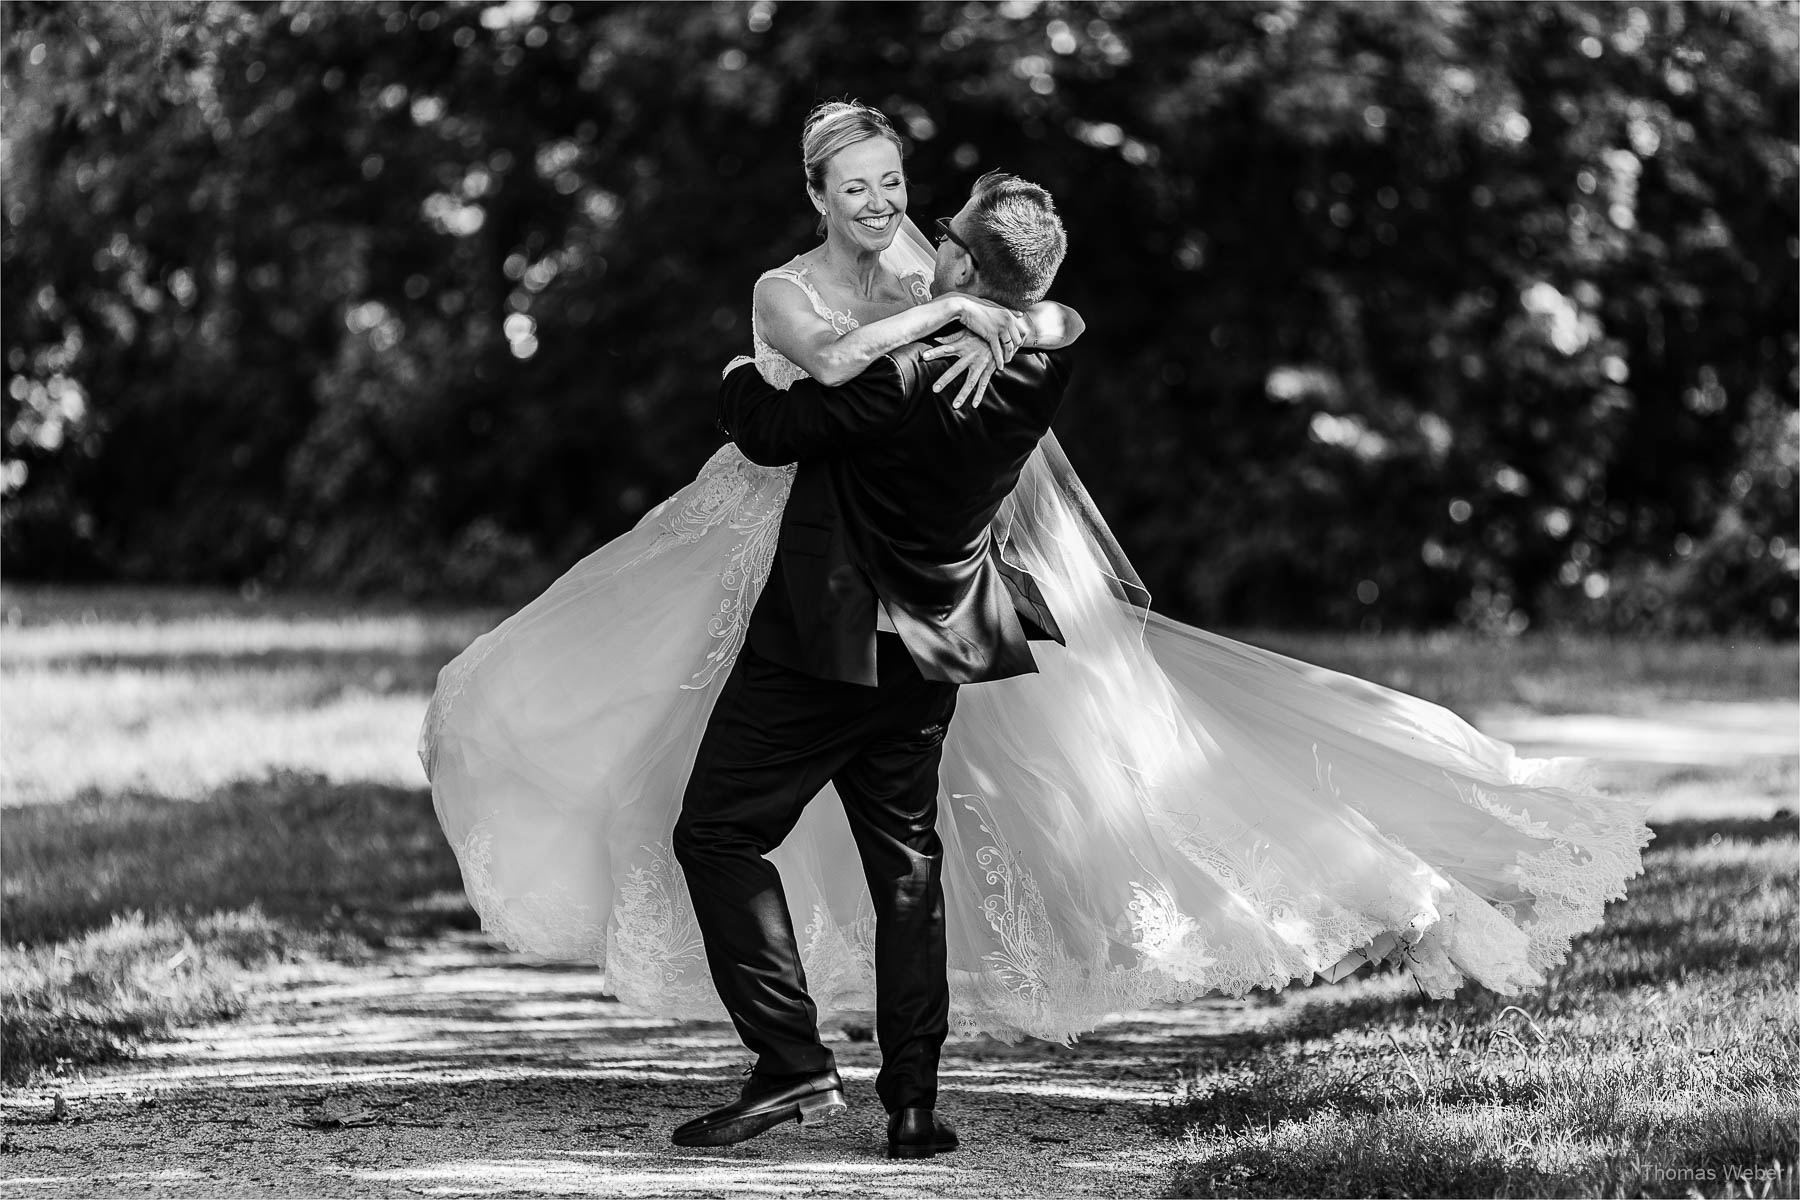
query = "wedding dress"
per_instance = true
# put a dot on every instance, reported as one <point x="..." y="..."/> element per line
<point x="1158" y="814"/>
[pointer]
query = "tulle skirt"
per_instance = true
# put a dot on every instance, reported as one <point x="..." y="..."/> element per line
<point x="1158" y="814"/>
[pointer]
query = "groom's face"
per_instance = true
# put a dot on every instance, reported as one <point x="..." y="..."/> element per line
<point x="954" y="269"/>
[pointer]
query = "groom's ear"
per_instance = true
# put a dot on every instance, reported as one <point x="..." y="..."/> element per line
<point x="963" y="275"/>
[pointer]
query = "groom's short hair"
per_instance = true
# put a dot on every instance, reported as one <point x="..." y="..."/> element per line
<point x="1016" y="237"/>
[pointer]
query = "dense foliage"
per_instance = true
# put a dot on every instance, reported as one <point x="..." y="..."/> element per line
<point x="1415" y="314"/>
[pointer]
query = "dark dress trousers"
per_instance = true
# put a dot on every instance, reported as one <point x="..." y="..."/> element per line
<point x="891" y="506"/>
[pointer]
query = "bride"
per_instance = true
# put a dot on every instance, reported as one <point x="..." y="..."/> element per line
<point x="1158" y="814"/>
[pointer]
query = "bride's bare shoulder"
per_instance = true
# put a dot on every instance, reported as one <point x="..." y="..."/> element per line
<point x="798" y="276"/>
<point x="800" y="264"/>
<point x="787" y="286"/>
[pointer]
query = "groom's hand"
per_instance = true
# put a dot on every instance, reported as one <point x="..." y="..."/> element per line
<point x="976" y="362"/>
<point x="720" y="420"/>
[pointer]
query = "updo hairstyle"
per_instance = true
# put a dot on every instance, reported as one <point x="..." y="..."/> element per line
<point x="833" y="126"/>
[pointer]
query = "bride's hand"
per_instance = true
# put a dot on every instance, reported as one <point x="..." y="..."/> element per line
<point x="975" y="362"/>
<point x="993" y="334"/>
<point x="1000" y="327"/>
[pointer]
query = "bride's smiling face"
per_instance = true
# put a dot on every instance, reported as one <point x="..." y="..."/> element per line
<point x="864" y="195"/>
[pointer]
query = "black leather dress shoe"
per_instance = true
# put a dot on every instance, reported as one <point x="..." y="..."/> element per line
<point x="764" y="1104"/>
<point x="918" y="1133"/>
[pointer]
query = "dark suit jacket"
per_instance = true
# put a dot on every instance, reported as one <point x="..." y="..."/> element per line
<point x="892" y="501"/>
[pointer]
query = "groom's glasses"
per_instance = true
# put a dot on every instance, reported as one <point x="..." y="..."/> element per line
<point x="947" y="234"/>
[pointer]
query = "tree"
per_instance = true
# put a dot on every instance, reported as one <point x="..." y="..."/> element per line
<point x="1398" y="314"/>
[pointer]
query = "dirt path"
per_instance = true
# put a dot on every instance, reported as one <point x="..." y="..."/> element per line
<point x="454" y="1069"/>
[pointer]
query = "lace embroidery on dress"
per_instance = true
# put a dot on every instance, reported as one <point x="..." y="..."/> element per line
<point x="656" y="959"/>
<point x="756" y="496"/>
<point x="917" y="286"/>
<point x="839" y="960"/>
<point x="840" y="322"/>
<point x="1306" y="932"/>
<point x="1441" y="930"/>
<point x="549" y="922"/>
<point x="1583" y="866"/>
<point x="1562" y="890"/>
<point x="1459" y="935"/>
<point x="749" y="499"/>
<point x="1031" y="985"/>
<point x="1507" y="942"/>
<point x="1028" y="942"/>
<point x="1168" y="939"/>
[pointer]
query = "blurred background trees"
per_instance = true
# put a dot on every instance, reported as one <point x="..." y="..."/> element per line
<point x="1399" y="315"/>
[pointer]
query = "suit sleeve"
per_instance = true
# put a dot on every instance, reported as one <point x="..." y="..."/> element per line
<point x="809" y="420"/>
<point x="1062" y="365"/>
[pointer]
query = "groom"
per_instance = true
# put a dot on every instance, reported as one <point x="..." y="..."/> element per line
<point x="886" y="594"/>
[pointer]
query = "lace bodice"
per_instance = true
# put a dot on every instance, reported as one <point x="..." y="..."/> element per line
<point x="776" y="367"/>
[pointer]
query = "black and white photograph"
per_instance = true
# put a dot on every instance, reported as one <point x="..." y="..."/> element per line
<point x="960" y="598"/>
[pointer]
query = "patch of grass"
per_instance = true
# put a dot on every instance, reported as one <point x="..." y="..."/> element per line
<point x="298" y="846"/>
<point x="1471" y="1154"/>
<point x="1551" y="673"/>
<point x="1689" y="797"/>
<point x="1663" y="1057"/>
<point x="196" y="690"/>
<point x="89" y="999"/>
<point x="127" y="914"/>
<point x="200" y="784"/>
<point x="184" y="733"/>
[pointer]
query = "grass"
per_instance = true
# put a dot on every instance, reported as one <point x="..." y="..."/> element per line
<point x="91" y="998"/>
<point x="128" y="914"/>
<point x="1663" y="1057"/>
<point x="1553" y="673"/>
<point x="199" y="785"/>
<point x="179" y="694"/>
<point x="301" y="848"/>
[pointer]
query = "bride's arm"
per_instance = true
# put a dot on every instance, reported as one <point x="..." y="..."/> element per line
<point x="785" y="315"/>
<point x="1051" y="326"/>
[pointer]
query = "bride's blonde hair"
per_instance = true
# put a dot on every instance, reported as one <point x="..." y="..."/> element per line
<point x="833" y="126"/>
